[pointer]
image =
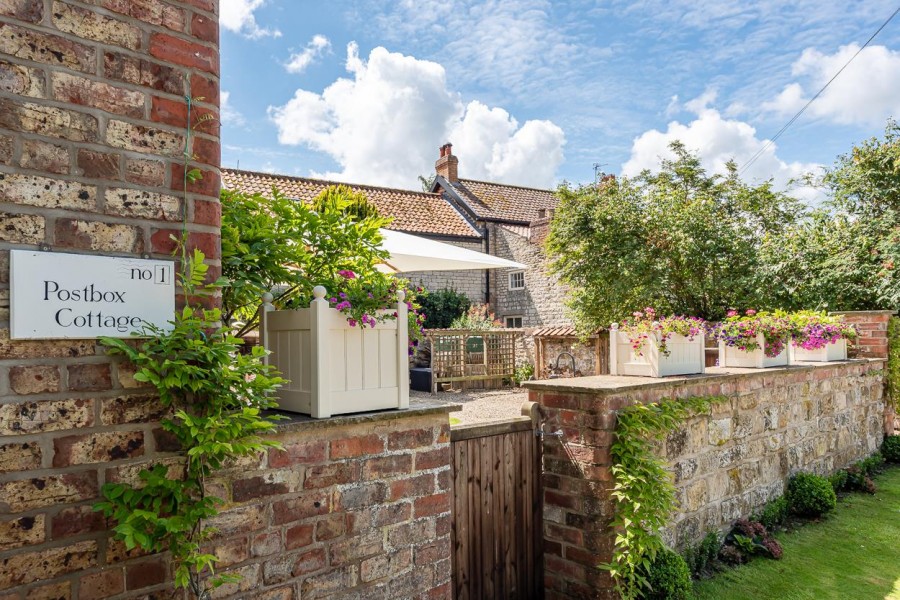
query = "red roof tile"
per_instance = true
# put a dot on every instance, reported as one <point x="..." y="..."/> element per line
<point x="412" y="212"/>
<point x="504" y="202"/>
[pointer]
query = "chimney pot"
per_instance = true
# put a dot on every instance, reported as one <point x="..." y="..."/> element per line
<point x="446" y="165"/>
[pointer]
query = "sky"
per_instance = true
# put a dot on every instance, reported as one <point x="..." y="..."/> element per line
<point x="539" y="92"/>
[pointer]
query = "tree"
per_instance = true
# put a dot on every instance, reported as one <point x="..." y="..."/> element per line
<point x="679" y="240"/>
<point x="286" y="247"/>
<point x="844" y="256"/>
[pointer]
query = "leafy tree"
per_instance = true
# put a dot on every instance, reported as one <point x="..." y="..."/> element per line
<point x="680" y="240"/>
<point x="442" y="307"/>
<point x="844" y="256"/>
<point x="287" y="247"/>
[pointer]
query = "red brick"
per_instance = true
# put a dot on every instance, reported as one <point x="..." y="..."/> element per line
<point x="356" y="446"/>
<point x="330" y="527"/>
<point x="102" y="584"/>
<point x="433" y="552"/>
<point x="208" y="243"/>
<point x="309" y="504"/>
<point x="171" y="112"/>
<point x="298" y="453"/>
<point x="244" y="490"/>
<point x="432" y="505"/>
<point x="552" y="498"/>
<point x="266" y="544"/>
<point x="413" y="438"/>
<point x="89" y="377"/>
<point x="433" y="459"/>
<point x="420" y="485"/>
<point x="204" y="89"/>
<point x="331" y="474"/>
<point x="139" y="71"/>
<point x="43" y="156"/>
<point x="386" y="466"/>
<point x="23" y="10"/>
<point x="298" y="536"/>
<point x="309" y="562"/>
<point x="51" y="591"/>
<point x="99" y="165"/>
<point x="205" y="29"/>
<point x="41" y="379"/>
<point x="207" y="213"/>
<point x="206" y="151"/>
<point x="183" y="52"/>
<point x="80" y="91"/>
<point x="145" y="574"/>
<point x="153" y="12"/>
<point x="208" y="185"/>
<point x="76" y="520"/>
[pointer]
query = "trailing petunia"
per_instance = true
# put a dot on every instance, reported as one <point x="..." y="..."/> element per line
<point x="814" y="330"/>
<point x="647" y="325"/>
<point x="742" y="332"/>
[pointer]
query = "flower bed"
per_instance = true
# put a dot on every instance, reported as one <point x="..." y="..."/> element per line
<point x="646" y="347"/>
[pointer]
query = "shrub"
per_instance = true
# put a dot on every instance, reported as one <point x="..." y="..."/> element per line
<point x="700" y="556"/>
<point x="810" y="495"/>
<point x="838" y="480"/>
<point x="668" y="577"/>
<point x="524" y="372"/>
<point x="442" y="307"/>
<point x="890" y="450"/>
<point x="859" y="476"/>
<point x="774" y="513"/>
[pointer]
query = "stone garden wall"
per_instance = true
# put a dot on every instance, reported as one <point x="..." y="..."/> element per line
<point x="726" y="465"/>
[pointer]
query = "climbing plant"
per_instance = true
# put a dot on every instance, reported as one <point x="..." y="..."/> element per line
<point x="893" y="363"/>
<point x="216" y="397"/>
<point x="644" y="493"/>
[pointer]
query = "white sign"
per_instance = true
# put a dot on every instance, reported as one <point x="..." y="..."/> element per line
<point x="56" y="295"/>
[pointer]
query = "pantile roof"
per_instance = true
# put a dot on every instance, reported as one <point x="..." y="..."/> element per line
<point x="412" y="212"/>
<point x="504" y="202"/>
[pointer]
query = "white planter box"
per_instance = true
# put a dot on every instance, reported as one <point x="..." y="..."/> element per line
<point x="686" y="356"/>
<point x="333" y="368"/>
<point x="756" y="359"/>
<point x="833" y="351"/>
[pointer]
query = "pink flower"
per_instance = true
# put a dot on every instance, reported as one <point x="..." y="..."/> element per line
<point x="732" y="313"/>
<point x="347" y="274"/>
<point x="751" y="312"/>
<point x="637" y="314"/>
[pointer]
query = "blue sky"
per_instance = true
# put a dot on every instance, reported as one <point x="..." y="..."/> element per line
<point x="534" y="92"/>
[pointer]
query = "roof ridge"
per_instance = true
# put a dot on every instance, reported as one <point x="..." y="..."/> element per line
<point x="329" y="182"/>
<point x="521" y="187"/>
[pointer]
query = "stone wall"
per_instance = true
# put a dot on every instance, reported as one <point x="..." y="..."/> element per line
<point x="470" y="282"/>
<point x="726" y="465"/>
<point x="541" y="302"/>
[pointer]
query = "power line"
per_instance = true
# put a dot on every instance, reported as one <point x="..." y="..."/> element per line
<point x="813" y="99"/>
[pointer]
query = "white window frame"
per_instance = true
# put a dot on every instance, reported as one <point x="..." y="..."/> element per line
<point x="508" y="317"/>
<point x="510" y="280"/>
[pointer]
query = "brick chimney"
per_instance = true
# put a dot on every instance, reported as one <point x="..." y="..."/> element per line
<point x="446" y="165"/>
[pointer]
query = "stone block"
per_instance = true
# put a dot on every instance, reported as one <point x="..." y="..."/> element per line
<point x="95" y="235"/>
<point x="49" y="415"/>
<point x="53" y="50"/>
<point x="44" y="192"/>
<point x="21" y="80"/>
<point x="21" y="229"/>
<point x="20" y="456"/>
<point x="72" y="89"/>
<point x="91" y="25"/>
<point x="21" y="531"/>
<point x="720" y="431"/>
<point x="125" y="202"/>
<point x="28" y="567"/>
<point x="140" y="71"/>
<point x="145" y="172"/>
<point x="132" y="408"/>
<point x="143" y="138"/>
<point x="46" y="120"/>
<point x="97" y="447"/>
<point x="43" y="156"/>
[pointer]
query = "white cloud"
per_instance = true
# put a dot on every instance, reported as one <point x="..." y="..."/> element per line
<point x="228" y="114"/>
<point x="237" y="16"/>
<point x="867" y="92"/>
<point x="299" y="61"/>
<point x="384" y="125"/>
<point x="718" y="140"/>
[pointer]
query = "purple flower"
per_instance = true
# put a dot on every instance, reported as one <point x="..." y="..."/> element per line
<point x="347" y="274"/>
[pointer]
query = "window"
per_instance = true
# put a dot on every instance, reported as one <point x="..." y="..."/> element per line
<point x="514" y="322"/>
<point x="517" y="280"/>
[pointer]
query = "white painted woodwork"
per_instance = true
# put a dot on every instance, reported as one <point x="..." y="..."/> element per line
<point x="833" y="351"/>
<point x="686" y="356"/>
<point x="730" y="356"/>
<point x="334" y="368"/>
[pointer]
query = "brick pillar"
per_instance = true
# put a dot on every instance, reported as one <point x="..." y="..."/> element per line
<point x="873" y="326"/>
<point x="92" y="129"/>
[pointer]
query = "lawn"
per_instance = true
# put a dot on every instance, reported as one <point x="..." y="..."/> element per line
<point x="853" y="554"/>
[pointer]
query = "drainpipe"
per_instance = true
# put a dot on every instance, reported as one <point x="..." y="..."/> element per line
<point x="487" y="272"/>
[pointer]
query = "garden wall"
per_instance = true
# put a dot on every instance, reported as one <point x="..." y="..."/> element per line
<point x="726" y="465"/>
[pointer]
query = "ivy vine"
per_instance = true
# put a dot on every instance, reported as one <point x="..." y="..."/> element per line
<point x="644" y="492"/>
<point x="893" y="362"/>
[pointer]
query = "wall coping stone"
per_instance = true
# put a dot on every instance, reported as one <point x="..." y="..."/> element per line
<point x="602" y="385"/>
<point x="863" y="312"/>
<point x="296" y="422"/>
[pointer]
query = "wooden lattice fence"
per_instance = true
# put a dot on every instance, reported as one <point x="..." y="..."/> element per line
<point x="464" y="357"/>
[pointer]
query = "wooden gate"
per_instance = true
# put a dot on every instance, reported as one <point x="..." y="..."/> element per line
<point x="497" y="533"/>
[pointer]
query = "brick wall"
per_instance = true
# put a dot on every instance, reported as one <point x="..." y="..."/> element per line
<point x="92" y="128"/>
<point x="541" y="302"/>
<point x="725" y="465"/>
<point x="873" y="332"/>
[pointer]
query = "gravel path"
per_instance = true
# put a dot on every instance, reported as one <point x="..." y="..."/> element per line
<point x="479" y="406"/>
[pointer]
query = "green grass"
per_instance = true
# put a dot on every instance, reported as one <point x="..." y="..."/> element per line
<point x="852" y="555"/>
